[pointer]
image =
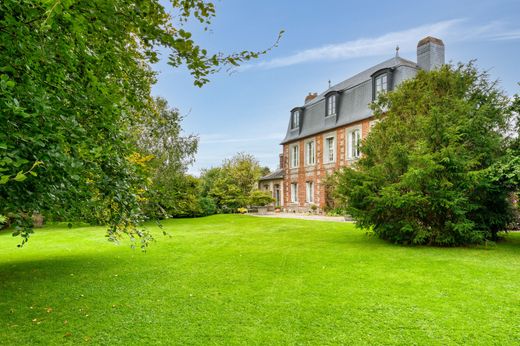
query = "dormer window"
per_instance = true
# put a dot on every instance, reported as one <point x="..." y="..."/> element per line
<point x="381" y="84"/>
<point x="331" y="105"/>
<point x="295" y="120"/>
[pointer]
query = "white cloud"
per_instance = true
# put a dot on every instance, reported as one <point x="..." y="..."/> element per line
<point x="448" y="30"/>
<point x="512" y="35"/>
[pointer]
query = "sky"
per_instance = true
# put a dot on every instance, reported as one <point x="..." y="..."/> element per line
<point x="247" y="110"/>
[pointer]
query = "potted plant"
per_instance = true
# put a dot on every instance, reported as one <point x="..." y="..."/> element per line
<point x="260" y="199"/>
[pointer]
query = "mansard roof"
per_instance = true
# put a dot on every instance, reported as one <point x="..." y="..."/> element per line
<point x="356" y="95"/>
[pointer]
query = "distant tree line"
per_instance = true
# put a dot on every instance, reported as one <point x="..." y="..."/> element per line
<point x="222" y="189"/>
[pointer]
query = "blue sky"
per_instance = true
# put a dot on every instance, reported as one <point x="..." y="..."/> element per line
<point x="248" y="110"/>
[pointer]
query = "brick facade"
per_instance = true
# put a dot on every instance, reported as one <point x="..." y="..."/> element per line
<point x="318" y="172"/>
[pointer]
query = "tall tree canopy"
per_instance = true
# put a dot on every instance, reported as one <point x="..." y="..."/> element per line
<point x="425" y="176"/>
<point x="231" y="185"/>
<point x="75" y="79"/>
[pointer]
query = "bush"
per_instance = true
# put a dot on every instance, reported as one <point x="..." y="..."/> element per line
<point x="260" y="198"/>
<point x="207" y="206"/>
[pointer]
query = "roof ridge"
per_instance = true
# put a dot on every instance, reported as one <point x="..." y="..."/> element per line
<point x="374" y="68"/>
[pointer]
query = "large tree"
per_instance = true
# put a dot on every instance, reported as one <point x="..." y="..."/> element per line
<point x="231" y="185"/>
<point x="425" y="173"/>
<point x="75" y="77"/>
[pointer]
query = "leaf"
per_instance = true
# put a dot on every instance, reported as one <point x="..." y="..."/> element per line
<point x="4" y="179"/>
<point x="20" y="176"/>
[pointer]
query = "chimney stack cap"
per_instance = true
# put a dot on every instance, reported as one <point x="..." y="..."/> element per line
<point x="430" y="39"/>
<point x="310" y="97"/>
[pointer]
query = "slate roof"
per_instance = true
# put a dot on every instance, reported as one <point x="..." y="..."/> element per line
<point x="354" y="103"/>
<point x="278" y="174"/>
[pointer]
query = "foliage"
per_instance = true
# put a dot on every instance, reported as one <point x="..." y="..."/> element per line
<point x="242" y="210"/>
<point x="260" y="198"/>
<point x="207" y="206"/>
<point x="333" y="202"/>
<point x="171" y="192"/>
<point x="265" y="171"/>
<point x="231" y="185"/>
<point x="424" y="175"/>
<point x="159" y="133"/>
<point x="75" y="79"/>
<point x="243" y="280"/>
<point x="173" y="195"/>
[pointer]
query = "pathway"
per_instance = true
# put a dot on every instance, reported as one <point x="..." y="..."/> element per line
<point x="302" y="216"/>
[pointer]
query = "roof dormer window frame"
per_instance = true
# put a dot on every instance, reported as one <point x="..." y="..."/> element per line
<point x="382" y="81"/>
<point x="332" y="103"/>
<point x="296" y="118"/>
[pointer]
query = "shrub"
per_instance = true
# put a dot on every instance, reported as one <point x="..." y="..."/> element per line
<point x="207" y="206"/>
<point x="260" y="198"/>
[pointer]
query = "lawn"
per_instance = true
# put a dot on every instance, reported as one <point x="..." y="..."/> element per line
<point x="246" y="280"/>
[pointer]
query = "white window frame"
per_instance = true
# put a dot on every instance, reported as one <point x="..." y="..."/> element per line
<point x="310" y="155"/>
<point x="295" y="121"/>
<point x="353" y="152"/>
<point x="294" y="192"/>
<point x="381" y="84"/>
<point x="331" y="105"/>
<point x="326" y="151"/>
<point x="309" y="192"/>
<point x="294" y="156"/>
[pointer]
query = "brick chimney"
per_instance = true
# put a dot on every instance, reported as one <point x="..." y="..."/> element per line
<point x="430" y="53"/>
<point x="310" y="97"/>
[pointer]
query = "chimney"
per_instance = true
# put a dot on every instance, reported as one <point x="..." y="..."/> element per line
<point x="430" y="53"/>
<point x="310" y="97"/>
<point x="281" y="161"/>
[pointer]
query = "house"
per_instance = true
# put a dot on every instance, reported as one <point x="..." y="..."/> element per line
<point x="325" y="132"/>
<point x="273" y="183"/>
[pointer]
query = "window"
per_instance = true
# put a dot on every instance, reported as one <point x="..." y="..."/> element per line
<point x="354" y="141"/>
<point x="294" y="192"/>
<point x="381" y="84"/>
<point x="310" y="153"/>
<point x="331" y="106"/>
<point x="309" y="192"/>
<point x="295" y="153"/>
<point x="329" y="151"/>
<point x="295" y="123"/>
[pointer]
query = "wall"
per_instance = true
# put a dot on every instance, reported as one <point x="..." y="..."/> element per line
<point x="317" y="172"/>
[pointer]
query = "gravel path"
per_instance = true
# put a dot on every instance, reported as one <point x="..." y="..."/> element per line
<point x="302" y="217"/>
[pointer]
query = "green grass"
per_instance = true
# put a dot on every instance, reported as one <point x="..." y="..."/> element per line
<point x="245" y="280"/>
